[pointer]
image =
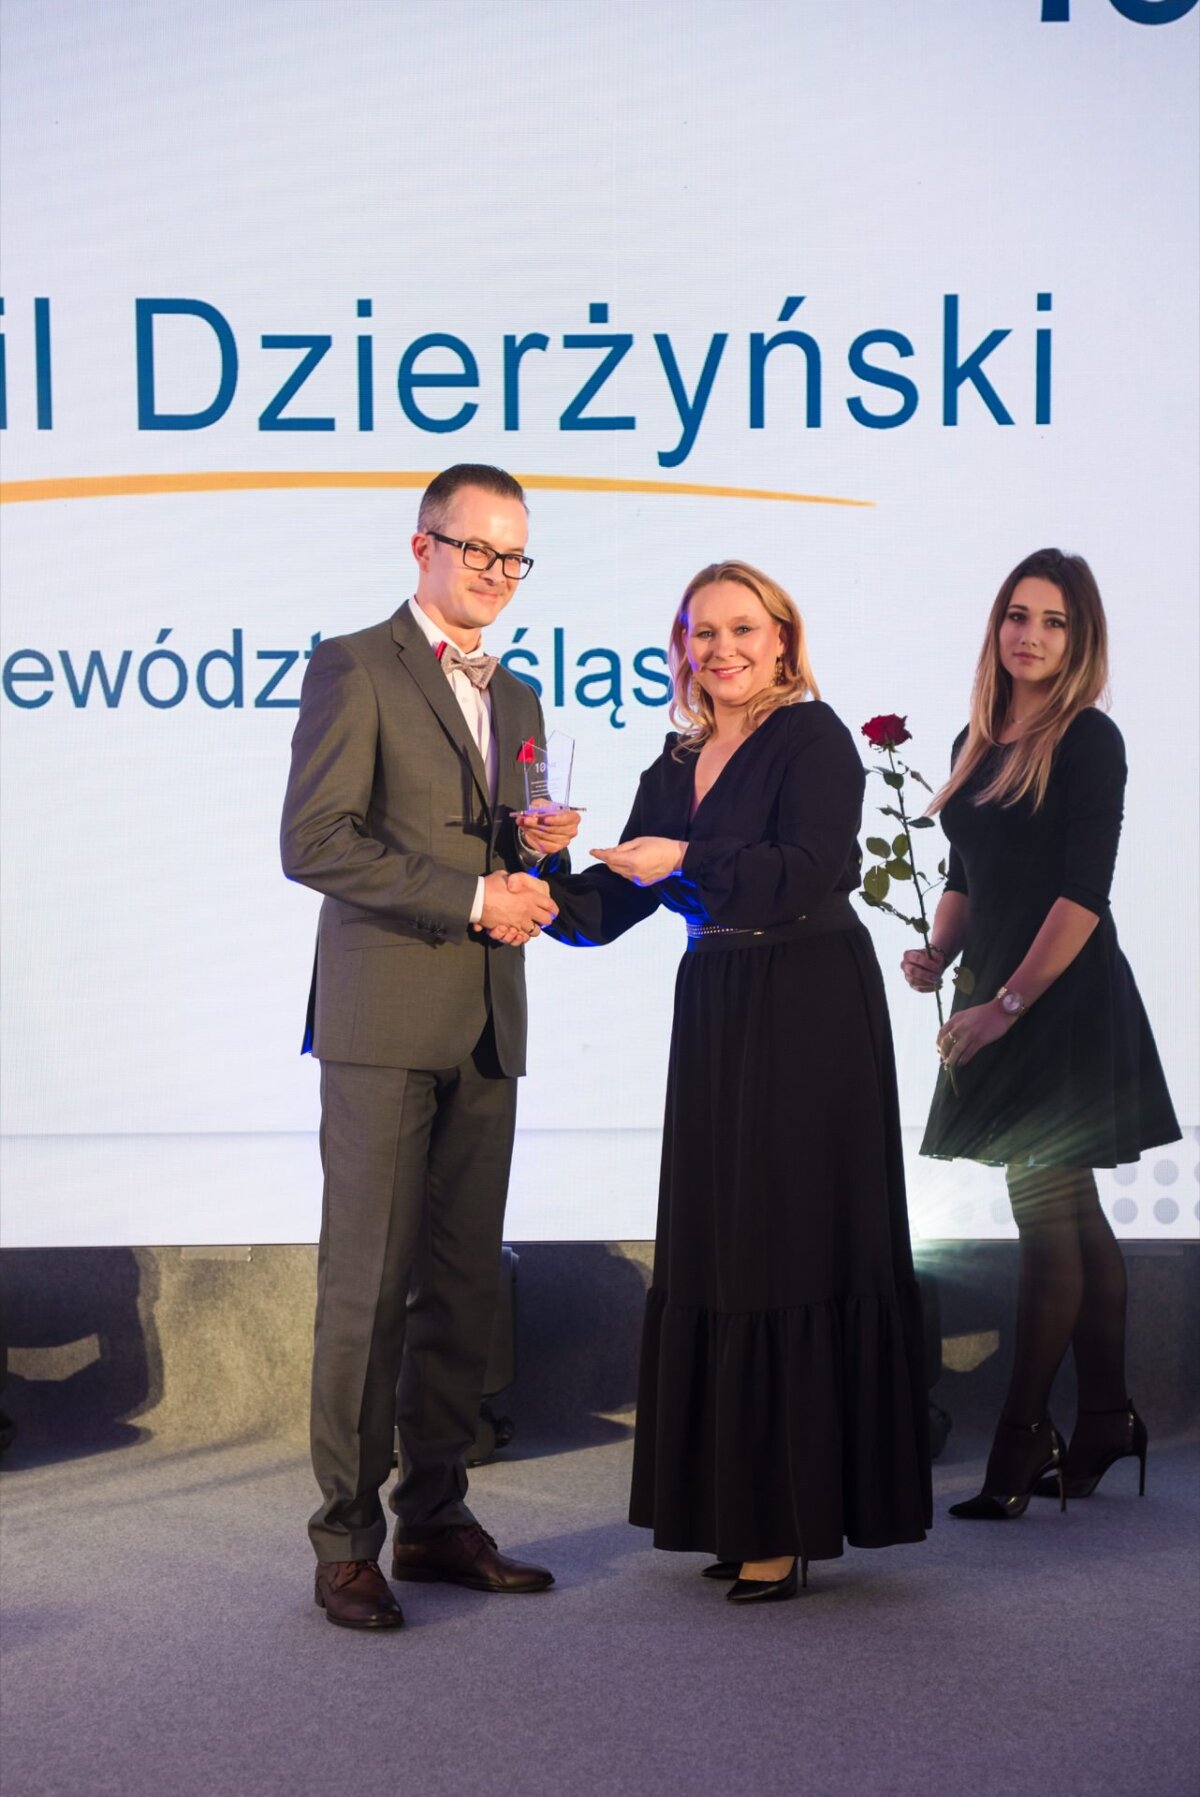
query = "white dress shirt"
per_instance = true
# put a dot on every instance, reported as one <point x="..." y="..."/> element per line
<point x="476" y="706"/>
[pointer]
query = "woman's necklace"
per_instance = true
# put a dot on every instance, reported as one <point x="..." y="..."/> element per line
<point x="1014" y="727"/>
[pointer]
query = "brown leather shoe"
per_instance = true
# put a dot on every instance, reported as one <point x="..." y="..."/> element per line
<point x="466" y="1555"/>
<point x="355" y="1595"/>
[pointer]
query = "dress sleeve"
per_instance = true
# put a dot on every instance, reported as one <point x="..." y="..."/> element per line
<point x="752" y="885"/>
<point x="1094" y="775"/>
<point x="956" y="873"/>
<point x="597" y="906"/>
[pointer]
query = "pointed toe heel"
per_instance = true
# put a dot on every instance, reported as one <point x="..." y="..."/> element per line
<point x="1004" y="1498"/>
<point x="769" y="1591"/>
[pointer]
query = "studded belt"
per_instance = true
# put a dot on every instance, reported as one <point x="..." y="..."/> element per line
<point x="829" y="915"/>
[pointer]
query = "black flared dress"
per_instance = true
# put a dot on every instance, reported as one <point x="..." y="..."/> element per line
<point x="781" y="1399"/>
<point x="1076" y="1082"/>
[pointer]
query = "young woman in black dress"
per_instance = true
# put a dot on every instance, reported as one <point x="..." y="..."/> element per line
<point x="1055" y="1068"/>
<point x="781" y="1401"/>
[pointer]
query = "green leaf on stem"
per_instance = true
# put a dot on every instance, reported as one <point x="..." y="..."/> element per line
<point x="920" y="823"/>
<point x="878" y="846"/>
<point x="964" y="979"/>
<point x="900" y="844"/>
<point x="890" y="811"/>
<point x="942" y="869"/>
<point x="921" y="781"/>
<point x="896" y="780"/>
<point x="899" y="870"/>
<point x="876" y="883"/>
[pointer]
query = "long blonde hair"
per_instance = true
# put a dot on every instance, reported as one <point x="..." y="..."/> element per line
<point x="691" y="707"/>
<point x="1080" y="682"/>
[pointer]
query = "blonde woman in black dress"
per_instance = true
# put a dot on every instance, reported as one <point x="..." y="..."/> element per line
<point x="1054" y="1063"/>
<point x="781" y="1403"/>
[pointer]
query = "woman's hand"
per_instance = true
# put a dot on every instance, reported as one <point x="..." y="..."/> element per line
<point x="923" y="968"/>
<point x="960" y="1039"/>
<point x="644" y="859"/>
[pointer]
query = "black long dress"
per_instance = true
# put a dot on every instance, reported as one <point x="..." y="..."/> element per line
<point x="1077" y="1082"/>
<point x="781" y="1400"/>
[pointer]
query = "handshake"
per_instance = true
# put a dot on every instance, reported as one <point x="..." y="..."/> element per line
<point x="515" y="907"/>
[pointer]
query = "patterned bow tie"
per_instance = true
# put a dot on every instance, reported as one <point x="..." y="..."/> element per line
<point x="478" y="668"/>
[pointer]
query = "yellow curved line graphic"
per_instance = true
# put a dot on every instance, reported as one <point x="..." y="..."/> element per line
<point x="124" y="486"/>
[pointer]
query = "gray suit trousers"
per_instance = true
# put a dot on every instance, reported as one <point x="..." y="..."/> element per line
<point x="416" y="1173"/>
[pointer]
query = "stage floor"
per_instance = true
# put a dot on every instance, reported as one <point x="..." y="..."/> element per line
<point x="160" y="1636"/>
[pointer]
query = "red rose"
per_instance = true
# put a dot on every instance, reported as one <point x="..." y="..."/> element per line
<point x="886" y="731"/>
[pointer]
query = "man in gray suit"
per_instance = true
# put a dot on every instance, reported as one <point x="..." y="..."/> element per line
<point x="405" y="809"/>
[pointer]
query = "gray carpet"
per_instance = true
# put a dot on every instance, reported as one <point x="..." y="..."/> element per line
<point x="159" y="1637"/>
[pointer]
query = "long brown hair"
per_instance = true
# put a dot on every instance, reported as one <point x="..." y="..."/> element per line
<point x="1081" y="681"/>
<point x="691" y="707"/>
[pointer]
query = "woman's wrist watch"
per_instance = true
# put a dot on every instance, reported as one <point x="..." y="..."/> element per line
<point x="1011" y="1003"/>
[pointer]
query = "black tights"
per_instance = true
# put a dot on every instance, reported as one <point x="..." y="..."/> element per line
<point x="1071" y="1292"/>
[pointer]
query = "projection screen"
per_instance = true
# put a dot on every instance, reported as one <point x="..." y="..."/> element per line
<point x="879" y="296"/>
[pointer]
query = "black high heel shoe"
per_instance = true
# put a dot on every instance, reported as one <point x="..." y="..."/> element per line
<point x="1006" y="1495"/>
<point x="768" y="1591"/>
<point x="721" y="1569"/>
<point x="1115" y="1435"/>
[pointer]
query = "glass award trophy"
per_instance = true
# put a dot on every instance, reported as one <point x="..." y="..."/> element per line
<point x="547" y="772"/>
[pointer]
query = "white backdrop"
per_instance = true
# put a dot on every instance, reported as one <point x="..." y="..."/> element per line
<point x="666" y="178"/>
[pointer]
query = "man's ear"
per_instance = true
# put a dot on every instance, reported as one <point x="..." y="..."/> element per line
<point x="422" y="547"/>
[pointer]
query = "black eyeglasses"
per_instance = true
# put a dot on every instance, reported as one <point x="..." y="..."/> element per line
<point x="481" y="558"/>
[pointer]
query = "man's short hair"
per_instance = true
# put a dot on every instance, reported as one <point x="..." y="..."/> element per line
<point x="435" y="501"/>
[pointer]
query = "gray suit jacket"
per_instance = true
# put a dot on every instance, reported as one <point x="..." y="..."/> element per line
<point x="388" y="814"/>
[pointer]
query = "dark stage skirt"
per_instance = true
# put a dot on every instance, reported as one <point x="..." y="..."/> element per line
<point x="781" y="1403"/>
<point x="1077" y="1082"/>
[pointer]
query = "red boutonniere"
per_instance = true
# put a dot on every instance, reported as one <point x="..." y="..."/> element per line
<point x="525" y="752"/>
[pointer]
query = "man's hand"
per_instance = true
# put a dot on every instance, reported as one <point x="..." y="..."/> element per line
<point x="644" y="859"/>
<point x="547" y="832"/>
<point x="515" y="907"/>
